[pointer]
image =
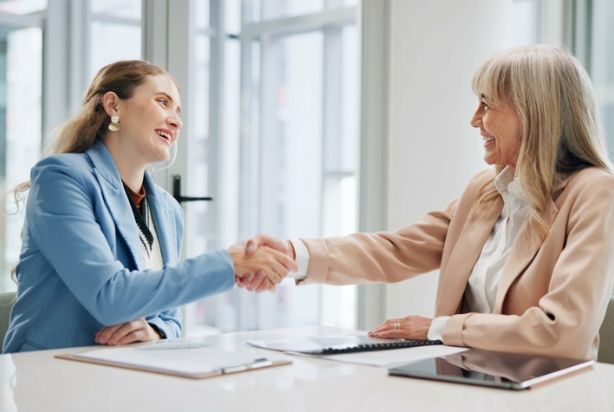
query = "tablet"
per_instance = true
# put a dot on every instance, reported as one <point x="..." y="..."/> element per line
<point x="494" y="369"/>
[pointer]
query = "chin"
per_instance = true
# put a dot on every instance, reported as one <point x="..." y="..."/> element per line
<point x="162" y="156"/>
<point x="489" y="161"/>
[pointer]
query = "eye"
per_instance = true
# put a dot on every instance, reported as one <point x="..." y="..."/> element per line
<point x="484" y="105"/>
<point x="163" y="101"/>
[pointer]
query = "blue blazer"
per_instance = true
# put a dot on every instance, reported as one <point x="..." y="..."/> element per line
<point x="79" y="268"/>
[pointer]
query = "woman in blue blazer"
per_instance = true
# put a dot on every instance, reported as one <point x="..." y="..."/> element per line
<point x="100" y="259"/>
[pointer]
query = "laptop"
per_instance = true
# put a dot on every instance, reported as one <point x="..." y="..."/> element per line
<point x="493" y="369"/>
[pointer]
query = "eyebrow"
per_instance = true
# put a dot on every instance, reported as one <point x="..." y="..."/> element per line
<point x="170" y="99"/>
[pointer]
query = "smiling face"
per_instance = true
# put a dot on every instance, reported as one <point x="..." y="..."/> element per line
<point x="149" y="120"/>
<point x="501" y="130"/>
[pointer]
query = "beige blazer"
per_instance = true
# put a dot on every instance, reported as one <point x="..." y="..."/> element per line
<point x="552" y="294"/>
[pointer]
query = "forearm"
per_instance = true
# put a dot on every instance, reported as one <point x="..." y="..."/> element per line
<point x="129" y="294"/>
<point x="380" y="257"/>
<point x="532" y="332"/>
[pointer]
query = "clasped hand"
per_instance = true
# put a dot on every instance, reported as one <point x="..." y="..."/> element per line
<point x="124" y="333"/>
<point x="262" y="262"/>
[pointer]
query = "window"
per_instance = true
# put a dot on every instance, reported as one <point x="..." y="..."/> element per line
<point x="21" y="55"/>
<point x="602" y="65"/>
<point x="276" y="145"/>
<point x="115" y="33"/>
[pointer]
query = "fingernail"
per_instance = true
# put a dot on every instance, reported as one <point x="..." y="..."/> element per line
<point x="250" y="247"/>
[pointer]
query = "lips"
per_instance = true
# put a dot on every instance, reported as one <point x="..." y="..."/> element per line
<point x="166" y="135"/>
<point x="488" y="139"/>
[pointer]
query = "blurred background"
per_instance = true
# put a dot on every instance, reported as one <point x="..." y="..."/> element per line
<point x="303" y="118"/>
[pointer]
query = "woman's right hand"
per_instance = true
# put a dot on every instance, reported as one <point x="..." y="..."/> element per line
<point x="274" y="264"/>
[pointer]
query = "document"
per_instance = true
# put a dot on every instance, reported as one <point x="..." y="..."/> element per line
<point x="336" y="344"/>
<point x="190" y="360"/>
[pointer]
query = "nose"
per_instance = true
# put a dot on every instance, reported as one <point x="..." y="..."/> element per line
<point x="476" y="119"/>
<point x="174" y="121"/>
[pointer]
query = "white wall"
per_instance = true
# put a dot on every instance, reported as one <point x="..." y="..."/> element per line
<point x="435" y="47"/>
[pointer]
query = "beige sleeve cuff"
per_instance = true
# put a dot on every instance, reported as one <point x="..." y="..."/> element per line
<point x="453" y="332"/>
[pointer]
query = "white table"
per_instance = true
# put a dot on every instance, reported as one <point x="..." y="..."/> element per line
<point x="37" y="381"/>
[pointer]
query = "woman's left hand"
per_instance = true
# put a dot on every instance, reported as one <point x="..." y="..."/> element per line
<point x="410" y="327"/>
<point x="124" y="333"/>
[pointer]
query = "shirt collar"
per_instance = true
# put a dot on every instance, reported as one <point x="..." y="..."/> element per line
<point x="509" y="187"/>
<point x="503" y="179"/>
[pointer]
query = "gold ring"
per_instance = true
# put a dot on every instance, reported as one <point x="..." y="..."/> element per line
<point x="397" y="325"/>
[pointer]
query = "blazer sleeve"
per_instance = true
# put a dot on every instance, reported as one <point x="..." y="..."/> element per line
<point x="61" y="219"/>
<point x="168" y="321"/>
<point x="568" y="317"/>
<point x="380" y="257"/>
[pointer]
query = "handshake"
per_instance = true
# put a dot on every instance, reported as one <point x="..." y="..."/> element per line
<point x="262" y="262"/>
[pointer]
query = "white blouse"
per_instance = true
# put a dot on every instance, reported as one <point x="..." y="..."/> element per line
<point x="484" y="279"/>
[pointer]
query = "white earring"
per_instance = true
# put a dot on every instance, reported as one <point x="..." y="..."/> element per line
<point x="114" y="125"/>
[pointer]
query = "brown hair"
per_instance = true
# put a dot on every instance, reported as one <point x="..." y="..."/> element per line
<point x="90" y="124"/>
<point x="122" y="77"/>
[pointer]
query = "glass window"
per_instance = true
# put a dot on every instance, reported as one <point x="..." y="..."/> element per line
<point x="21" y="7"/>
<point x="274" y="9"/>
<point x="115" y="32"/>
<point x="20" y="131"/>
<point x="128" y="9"/>
<point x="204" y="158"/>
<point x="201" y="11"/>
<point x="280" y="112"/>
<point x="602" y="65"/>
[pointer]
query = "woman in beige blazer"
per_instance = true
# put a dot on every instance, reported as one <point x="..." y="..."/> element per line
<point x="526" y="254"/>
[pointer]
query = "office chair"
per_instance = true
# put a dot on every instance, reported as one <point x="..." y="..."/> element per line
<point x="606" y="335"/>
<point x="6" y="303"/>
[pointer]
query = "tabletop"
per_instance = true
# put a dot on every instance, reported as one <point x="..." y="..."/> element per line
<point x="37" y="381"/>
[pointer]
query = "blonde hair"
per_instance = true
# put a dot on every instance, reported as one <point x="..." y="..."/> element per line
<point x="553" y="96"/>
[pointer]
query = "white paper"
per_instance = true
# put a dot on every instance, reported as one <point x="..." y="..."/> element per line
<point x="395" y="357"/>
<point x="189" y="360"/>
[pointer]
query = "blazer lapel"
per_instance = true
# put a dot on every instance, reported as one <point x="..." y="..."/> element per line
<point x="161" y="217"/>
<point x="522" y="252"/>
<point x="115" y="197"/>
<point x="462" y="259"/>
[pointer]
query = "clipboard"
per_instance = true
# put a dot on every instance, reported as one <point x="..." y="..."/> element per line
<point x="194" y="361"/>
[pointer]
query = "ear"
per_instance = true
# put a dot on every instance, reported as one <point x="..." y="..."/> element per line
<point x="110" y="103"/>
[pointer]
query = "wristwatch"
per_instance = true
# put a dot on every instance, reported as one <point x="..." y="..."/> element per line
<point x="158" y="330"/>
